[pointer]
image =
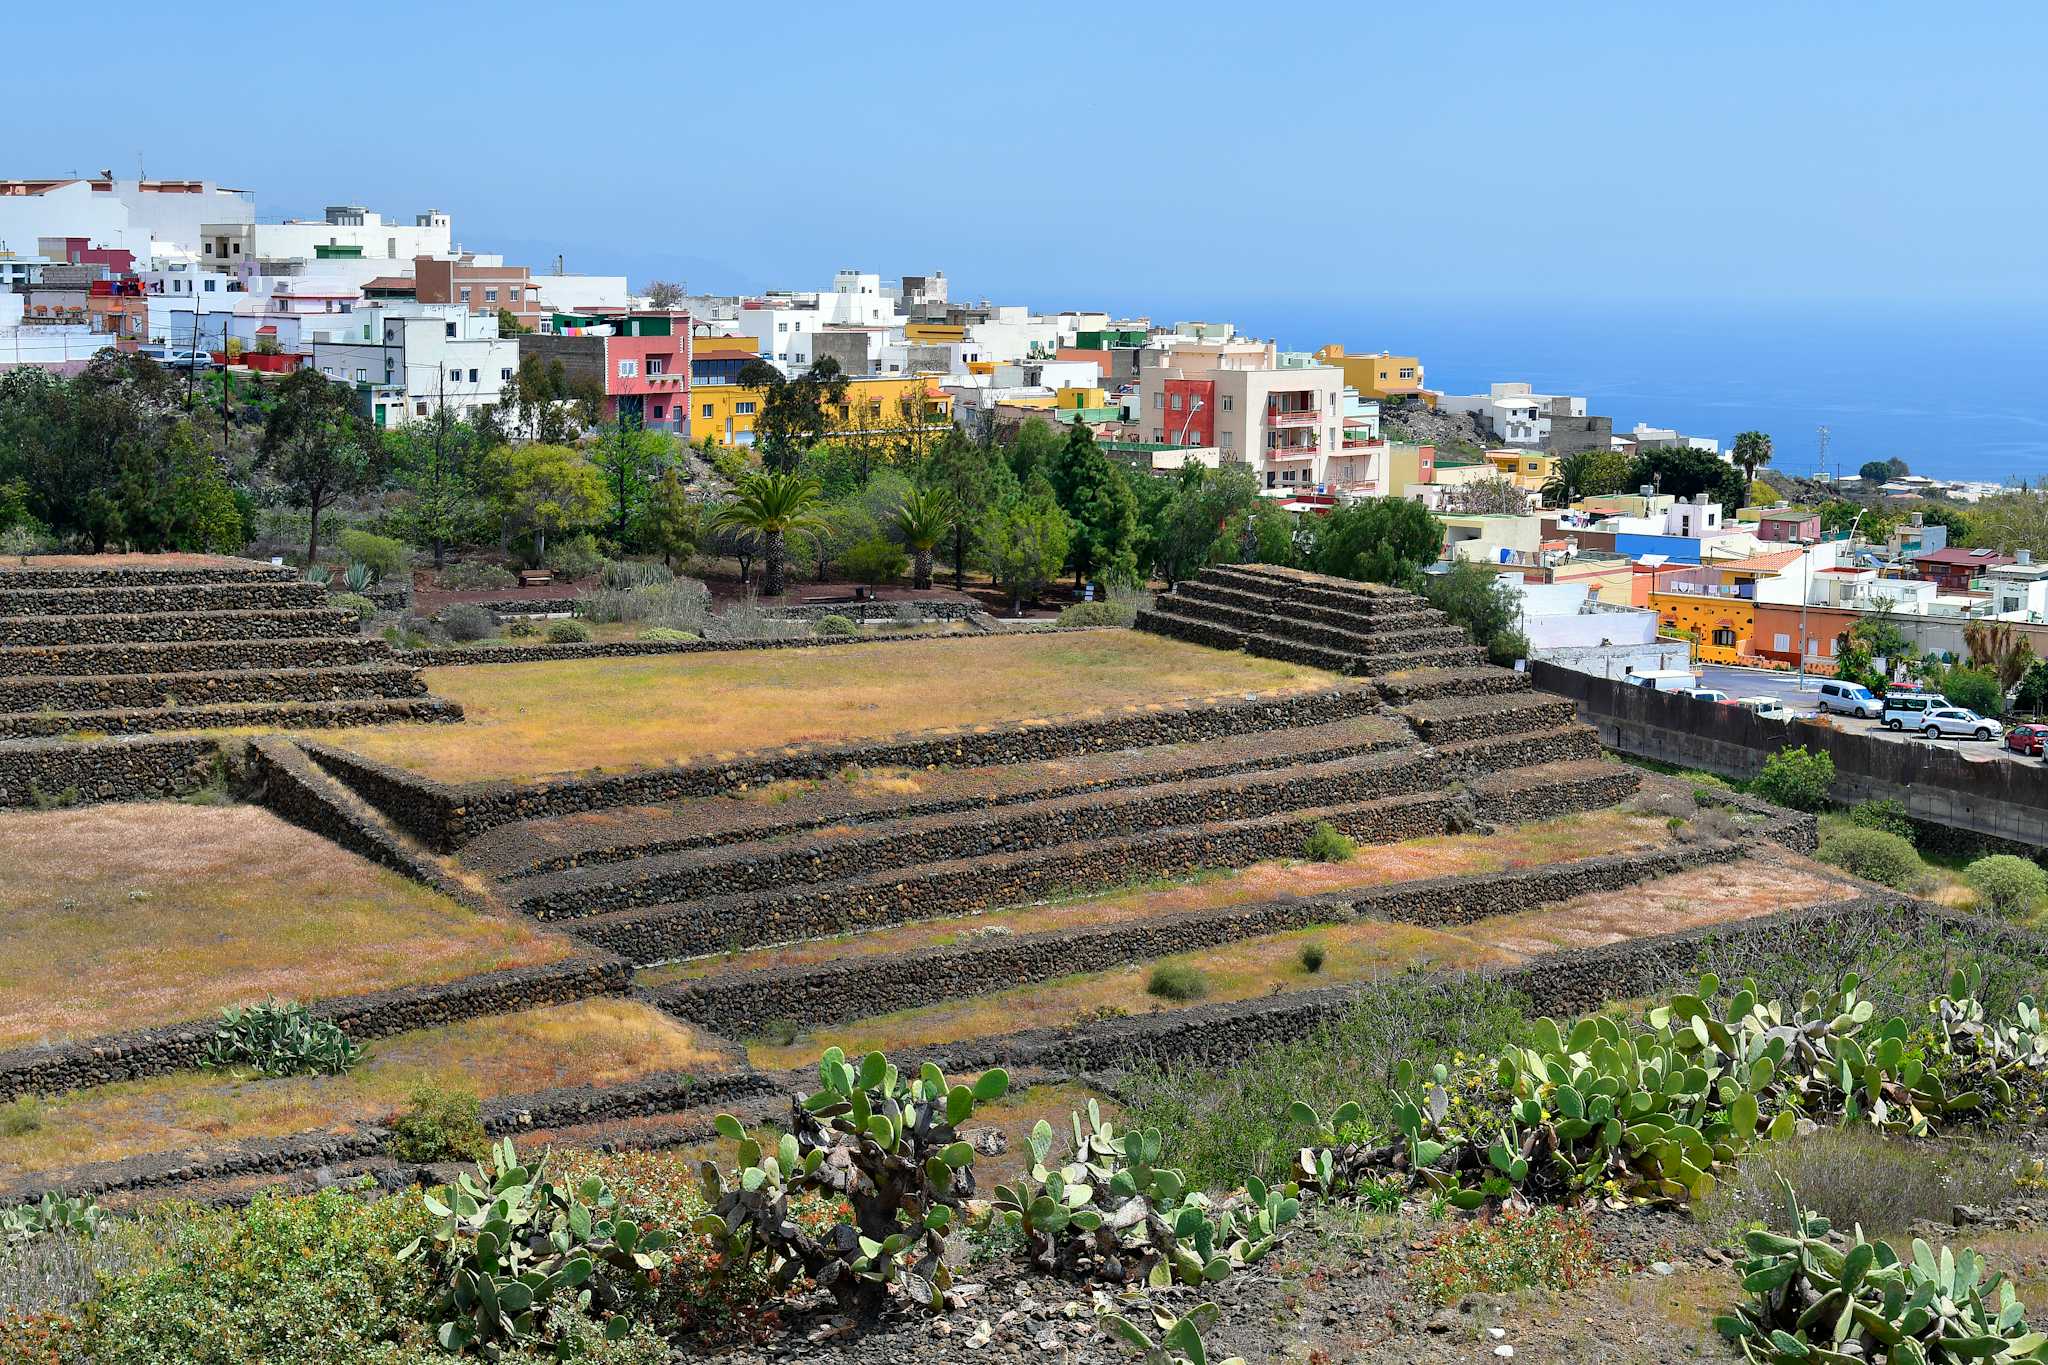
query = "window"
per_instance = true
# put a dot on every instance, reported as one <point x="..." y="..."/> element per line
<point x="505" y="375"/>
<point x="490" y="296"/>
<point x="455" y="376"/>
<point x="420" y="408"/>
<point x="361" y="375"/>
<point x="659" y="412"/>
<point x="1724" y="637"/>
<point x="1408" y="372"/>
<point x="451" y="329"/>
<point x="1229" y="403"/>
<point x="1158" y="402"/>
<point x="209" y="248"/>
<point x="707" y="412"/>
<point x="1226" y="439"/>
<point x="1175" y="403"/>
<point x="782" y="327"/>
<point x="656" y="364"/>
<point x="738" y="409"/>
<point x="465" y="294"/>
<point x="629" y="369"/>
<point x="209" y="286"/>
<point x="472" y="376"/>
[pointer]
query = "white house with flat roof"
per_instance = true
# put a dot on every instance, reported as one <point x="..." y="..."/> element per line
<point x="409" y="360"/>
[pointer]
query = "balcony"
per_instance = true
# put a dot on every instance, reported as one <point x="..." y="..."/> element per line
<point x="1305" y="451"/>
<point x="1292" y="417"/>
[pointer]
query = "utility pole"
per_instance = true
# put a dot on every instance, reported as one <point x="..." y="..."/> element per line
<point x="1821" y="461"/>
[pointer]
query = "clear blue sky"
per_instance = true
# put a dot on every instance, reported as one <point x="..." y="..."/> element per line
<point x="1060" y="154"/>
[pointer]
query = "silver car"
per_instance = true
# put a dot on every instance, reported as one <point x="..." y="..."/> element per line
<point x="1953" y="722"/>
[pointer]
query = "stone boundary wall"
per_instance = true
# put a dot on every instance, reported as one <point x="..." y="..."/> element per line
<point x="1407" y="685"/>
<point x="661" y="932"/>
<point x="150" y="691"/>
<point x="1352" y="618"/>
<point x="374" y="710"/>
<point x="13" y="577"/>
<point x="2003" y="799"/>
<point x="88" y="772"/>
<point x="743" y="1004"/>
<point x="923" y="842"/>
<point x="176" y="1047"/>
<point x="191" y="656"/>
<point x="176" y="627"/>
<point x="1470" y="759"/>
<point x="1793" y="829"/>
<point x="1538" y="793"/>
<point x="541" y="652"/>
<point x="1449" y="720"/>
<point x="509" y="1115"/>
<point x="446" y="817"/>
<point x="130" y="599"/>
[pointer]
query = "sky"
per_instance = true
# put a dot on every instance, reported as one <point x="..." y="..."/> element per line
<point x="1161" y="156"/>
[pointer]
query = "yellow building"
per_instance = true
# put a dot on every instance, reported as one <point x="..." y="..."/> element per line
<point x="1722" y="627"/>
<point x="934" y="332"/>
<point x="1377" y="376"/>
<point x="1529" y="469"/>
<point x="875" y="406"/>
<point x="1081" y="396"/>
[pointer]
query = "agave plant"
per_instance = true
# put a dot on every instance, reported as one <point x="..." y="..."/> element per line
<point x="318" y="575"/>
<point x="359" y="577"/>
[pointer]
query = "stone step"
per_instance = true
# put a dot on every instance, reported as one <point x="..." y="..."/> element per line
<point x="1422" y="683"/>
<point x="659" y="933"/>
<point x="1347" y="618"/>
<point x="281" y="715"/>
<point x="1446" y="719"/>
<point x="131" y="691"/>
<point x="1469" y="758"/>
<point x="255" y="595"/>
<point x="853" y="851"/>
<point x="1551" y="789"/>
<point x="1360" y="636"/>
<point x="1163" y="622"/>
<point x="1299" y="585"/>
<point x="99" y="575"/>
<point x="137" y="627"/>
<point x="194" y="656"/>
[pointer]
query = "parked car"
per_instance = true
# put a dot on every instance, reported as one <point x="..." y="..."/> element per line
<point x="1904" y="710"/>
<point x="1767" y="708"/>
<point x="1713" y="694"/>
<point x="1848" y="699"/>
<point x="1944" y="722"/>
<point x="2027" y="739"/>
<point x="1666" y="679"/>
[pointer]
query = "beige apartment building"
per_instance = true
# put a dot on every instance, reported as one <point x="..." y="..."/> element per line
<point x="1281" y="417"/>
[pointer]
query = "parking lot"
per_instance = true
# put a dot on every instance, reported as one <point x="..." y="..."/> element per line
<point x="1753" y="682"/>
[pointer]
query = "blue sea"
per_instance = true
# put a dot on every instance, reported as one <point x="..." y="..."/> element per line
<point x="1956" y="394"/>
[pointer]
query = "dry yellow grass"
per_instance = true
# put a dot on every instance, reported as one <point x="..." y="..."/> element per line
<point x="531" y="720"/>
<point x="597" y="1042"/>
<point x="1238" y="971"/>
<point x="1541" y="841"/>
<point x="119" y="916"/>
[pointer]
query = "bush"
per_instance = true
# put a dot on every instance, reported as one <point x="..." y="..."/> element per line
<point x="386" y="558"/>
<point x="836" y="625"/>
<point x="1797" y="778"/>
<point x="521" y="630"/>
<point x="362" y="606"/>
<point x="875" y="559"/>
<point x="442" y="1125"/>
<point x="567" y="633"/>
<point x="1887" y="815"/>
<point x="681" y="603"/>
<point x="21" y="1116"/>
<point x="574" y="557"/>
<point x="1177" y="981"/>
<point x="1874" y="856"/>
<point x="279" y="1038"/>
<point x="476" y="576"/>
<point x="634" y="573"/>
<point x="1547" y="1248"/>
<point x="1312" y="957"/>
<point x="466" y="622"/>
<point x="2009" y="884"/>
<point x="666" y="635"/>
<point x="728" y="462"/>
<point x="1098" y="614"/>
<point x="1326" y="844"/>
<point x="1853" y="1175"/>
<point x="1975" y="688"/>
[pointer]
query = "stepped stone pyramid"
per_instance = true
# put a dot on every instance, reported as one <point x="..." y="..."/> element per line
<point x="191" y="643"/>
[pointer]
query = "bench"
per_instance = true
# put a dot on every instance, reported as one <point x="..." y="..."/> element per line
<point x="535" y="578"/>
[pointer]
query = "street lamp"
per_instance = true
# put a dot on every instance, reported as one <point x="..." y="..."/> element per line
<point x="1195" y="405"/>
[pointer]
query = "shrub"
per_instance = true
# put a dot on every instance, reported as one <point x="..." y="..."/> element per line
<point x="466" y="622"/>
<point x="1548" y="1248"/>
<point x="1312" y="956"/>
<point x="386" y="558"/>
<point x="362" y="606"/>
<point x="730" y="463"/>
<point x="1853" y="1175"/>
<point x="1975" y="688"/>
<point x="574" y="557"/>
<point x="1177" y="981"/>
<point x="1327" y="844"/>
<point x="876" y="559"/>
<point x="836" y="625"/>
<point x="681" y="603"/>
<point x="21" y="1116"/>
<point x="441" y="1125"/>
<point x="22" y="540"/>
<point x="666" y="635"/>
<point x="635" y="573"/>
<point x="567" y="633"/>
<point x="1887" y="815"/>
<point x="1795" y="777"/>
<point x="279" y="1038"/>
<point x="1097" y="614"/>
<point x="359" y="576"/>
<point x="2010" y="885"/>
<point x="521" y="630"/>
<point x="476" y="576"/>
<point x="1874" y="856"/>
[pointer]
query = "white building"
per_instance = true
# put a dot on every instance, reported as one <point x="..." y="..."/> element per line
<point x="1284" y="421"/>
<point x="349" y="231"/>
<point x="2020" y="589"/>
<point x="1644" y="436"/>
<point x="1013" y="334"/>
<point x="579" y="293"/>
<point x="1515" y="413"/>
<point x="407" y="360"/>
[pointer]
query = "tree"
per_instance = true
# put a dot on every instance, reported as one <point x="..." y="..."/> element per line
<point x="795" y="414"/>
<point x="547" y="489"/>
<point x="924" y="519"/>
<point x="1378" y="540"/>
<point x="1796" y="777"/>
<point x="1687" y="473"/>
<point x="1496" y="496"/>
<point x="1487" y="608"/>
<point x="1761" y="494"/>
<point x="773" y="506"/>
<point x="664" y="294"/>
<point x="2012" y="521"/>
<point x="627" y="457"/>
<point x="1875" y="471"/>
<point x="1033" y="449"/>
<point x="439" y="462"/>
<point x="1999" y="649"/>
<point x="320" y="446"/>
<point x="1752" y="452"/>
<point x="1026" y="541"/>
<point x="509" y="325"/>
<point x="977" y="480"/>
<point x="1586" y="474"/>
<point x="1094" y="493"/>
<point x="539" y="390"/>
<point x="669" y="520"/>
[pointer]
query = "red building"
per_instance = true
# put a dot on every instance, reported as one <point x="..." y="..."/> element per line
<point x="1190" y="418"/>
<point x="1954" y="567"/>
<point x="642" y="360"/>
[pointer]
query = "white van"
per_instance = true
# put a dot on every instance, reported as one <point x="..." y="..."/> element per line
<point x="1906" y="710"/>
<point x="1665" y="679"/>
<point x="1848" y="699"/>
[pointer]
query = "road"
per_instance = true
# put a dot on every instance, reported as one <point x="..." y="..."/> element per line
<point x="1759" y="682"/>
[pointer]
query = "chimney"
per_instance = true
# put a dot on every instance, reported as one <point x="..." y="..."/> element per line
<point x="1645" y="490"/>
<point x="2026" y="557"/>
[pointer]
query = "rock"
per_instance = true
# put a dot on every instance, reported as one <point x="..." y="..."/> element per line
<point x="1504" y="1352"/>
<point x="1660" y="1267"/>
<point x="1441" y="1321"/>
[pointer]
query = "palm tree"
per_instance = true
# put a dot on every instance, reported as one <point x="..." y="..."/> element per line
<point x="925" y="518"/>
<point x="772" y="506"/>
<point x="1752" y="449"/>
<point x="1567" y="481"/>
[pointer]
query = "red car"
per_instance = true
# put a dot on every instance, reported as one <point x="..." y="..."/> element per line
<point x="2027" y="739"/>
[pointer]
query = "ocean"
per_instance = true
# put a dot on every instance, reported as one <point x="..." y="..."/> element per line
<point x="1956" y="394"/>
